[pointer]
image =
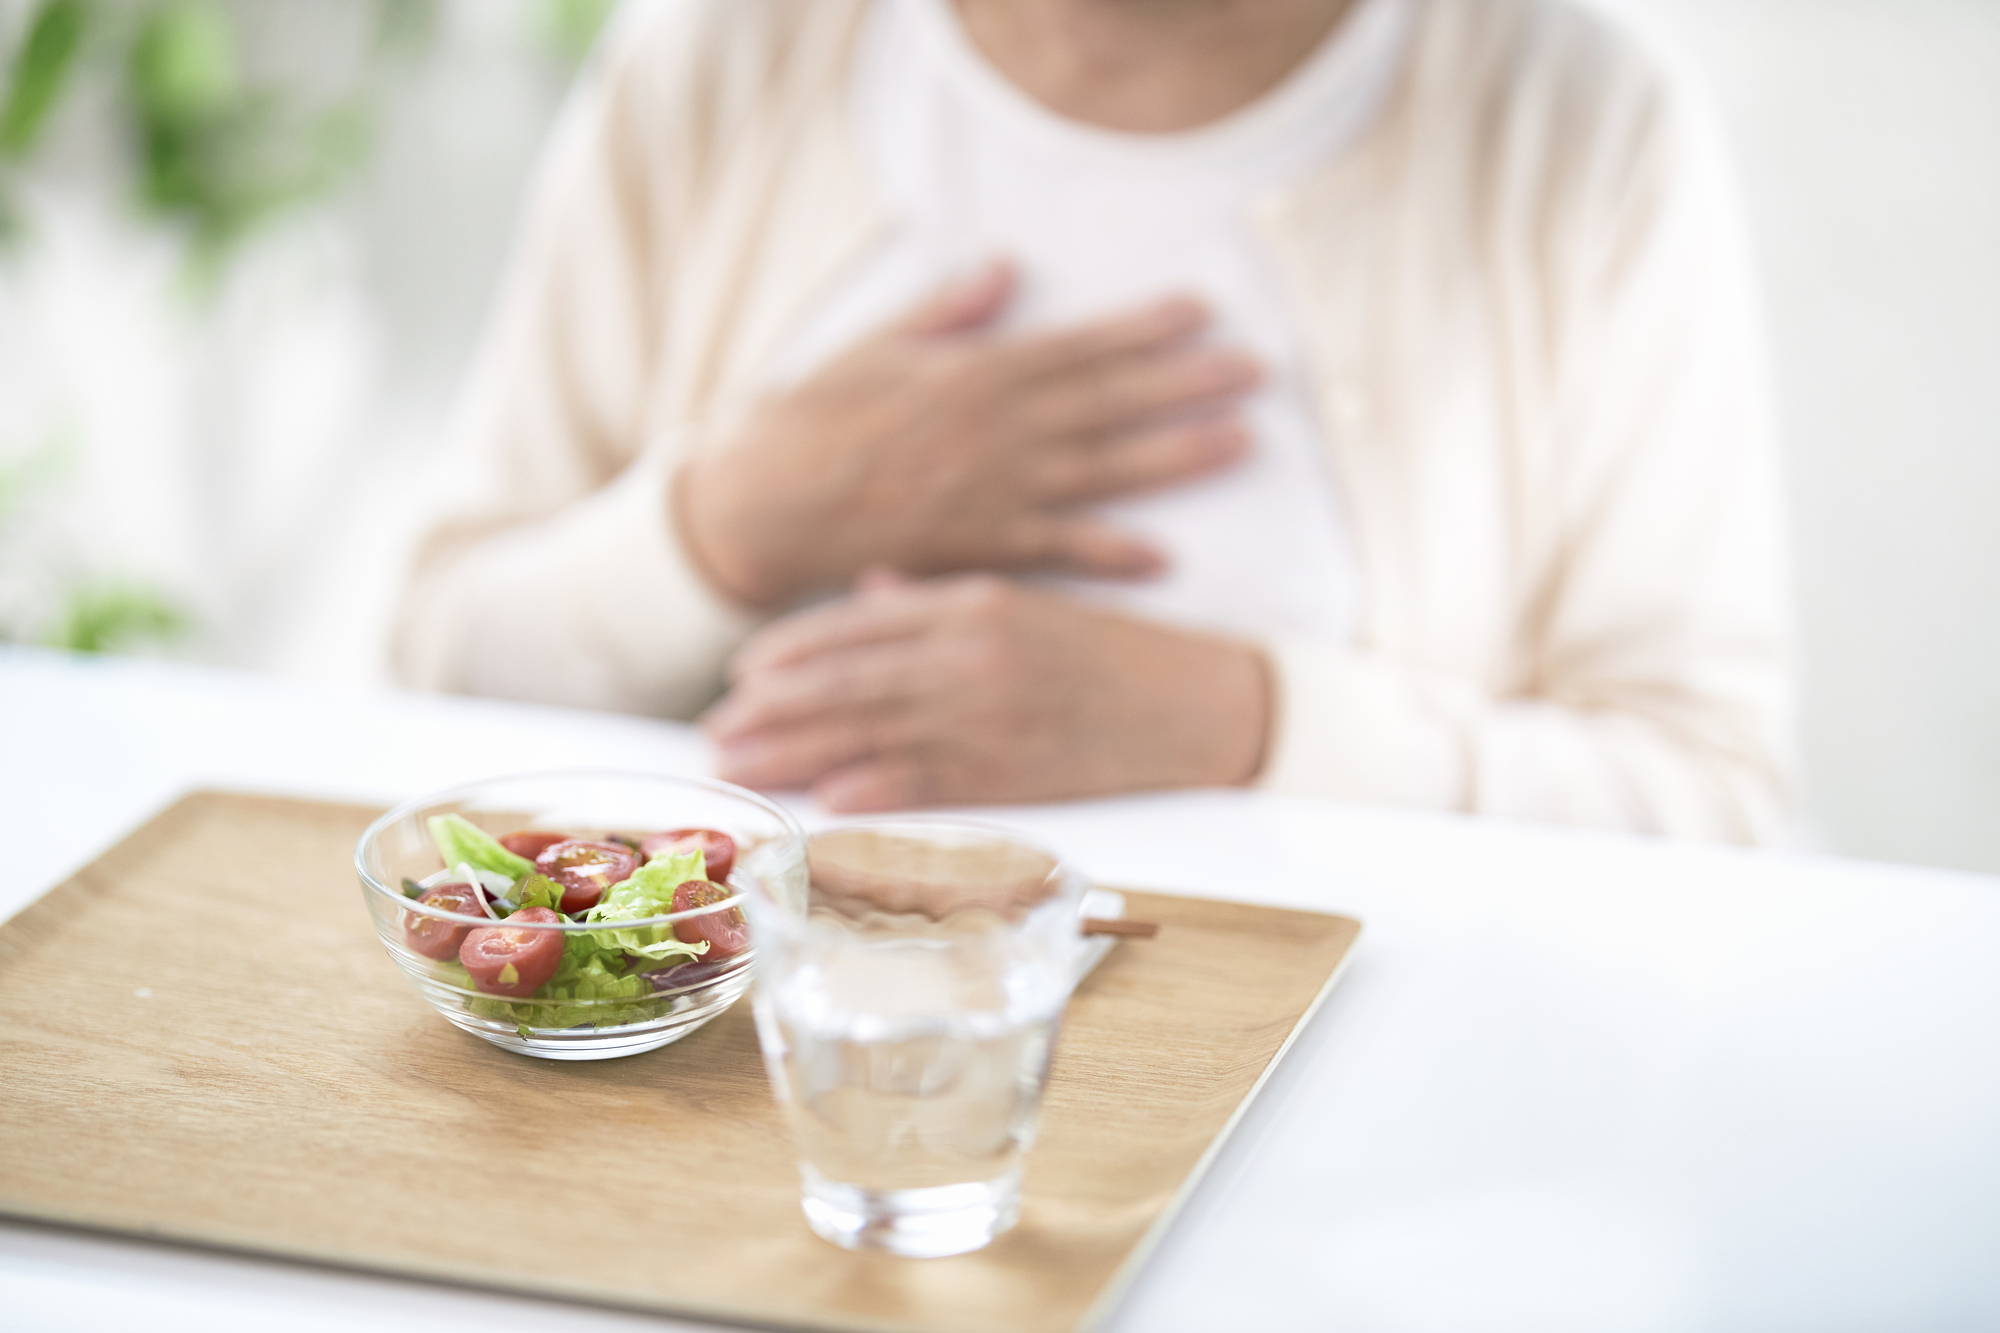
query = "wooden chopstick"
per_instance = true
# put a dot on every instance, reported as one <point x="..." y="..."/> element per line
<point x="1117" y="925"/>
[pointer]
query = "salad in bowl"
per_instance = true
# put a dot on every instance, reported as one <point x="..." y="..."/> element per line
<point x="575" y="915"/>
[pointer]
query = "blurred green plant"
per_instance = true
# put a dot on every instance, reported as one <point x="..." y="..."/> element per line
<point x="38" y="71"/>
<point x="95" y="614"/>
<point x="572" y="26"/>
<point x="215" y="151"/>
<point x="217" y="155"/>
<point x="36" y="470"/>
<point x="35" y="79"/>
<point x="117" y="616"/>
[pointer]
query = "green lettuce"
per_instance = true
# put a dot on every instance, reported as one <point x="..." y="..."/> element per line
<point x="538" y="890"/>
<point x="649" y="891"/>
<point x="459" y="839"/>
<point x="592" y="984"/>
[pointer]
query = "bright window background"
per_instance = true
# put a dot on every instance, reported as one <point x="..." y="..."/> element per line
<point x="246" y="447"/>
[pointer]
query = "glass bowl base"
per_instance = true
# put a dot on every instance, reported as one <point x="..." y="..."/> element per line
<point x="579" y="1043"/>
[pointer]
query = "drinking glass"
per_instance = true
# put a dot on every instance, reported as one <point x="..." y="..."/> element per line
<point x="911" y="974"/>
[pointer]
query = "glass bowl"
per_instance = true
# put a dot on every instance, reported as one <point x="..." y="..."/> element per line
<point x="620" y="988"/>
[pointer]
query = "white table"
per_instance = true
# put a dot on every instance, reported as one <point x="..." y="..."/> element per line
<point x="1570" y="1081"/>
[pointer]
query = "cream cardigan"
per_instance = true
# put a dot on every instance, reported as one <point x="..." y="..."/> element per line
<point x="1524" y="300"/>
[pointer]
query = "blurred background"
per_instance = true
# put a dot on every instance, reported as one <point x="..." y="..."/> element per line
<point x="246" y="247"/>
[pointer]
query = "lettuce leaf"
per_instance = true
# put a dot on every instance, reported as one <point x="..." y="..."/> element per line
<point x="459" y="839"/>
<point x="538" y="890"/>
<point x="649" y="891"/>
<point x="590" y="986"/>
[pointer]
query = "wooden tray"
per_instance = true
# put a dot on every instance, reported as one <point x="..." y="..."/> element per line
<point x="202" y="1040"/>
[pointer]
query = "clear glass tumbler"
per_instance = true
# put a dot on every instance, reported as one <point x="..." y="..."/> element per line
<point x="911" y="974"/>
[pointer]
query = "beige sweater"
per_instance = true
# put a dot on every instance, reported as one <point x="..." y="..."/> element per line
<point x="1525" y="304"/>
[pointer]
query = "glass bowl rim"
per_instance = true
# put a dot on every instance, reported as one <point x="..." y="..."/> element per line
<point x="406" y="808"/>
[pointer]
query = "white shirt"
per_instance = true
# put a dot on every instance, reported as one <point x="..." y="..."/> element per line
<point x="1098" y="221"/>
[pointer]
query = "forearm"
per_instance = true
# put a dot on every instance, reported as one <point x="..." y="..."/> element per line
<point x="1664" y="758"/>
<point x="593" y="606"/>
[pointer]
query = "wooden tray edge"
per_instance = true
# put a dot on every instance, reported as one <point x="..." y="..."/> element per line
<point x="1128" y="1272"/>
<point x="557" y="1295"/>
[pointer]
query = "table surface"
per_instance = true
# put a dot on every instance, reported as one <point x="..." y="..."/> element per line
<point x="1571" y="1081"/>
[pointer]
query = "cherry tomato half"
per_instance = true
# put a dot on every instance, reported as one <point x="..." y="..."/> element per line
<point x="440" y="939"/>
<point x="531" y="843"/>
<point x="507" y="960"/>
<point x="718" y="850"/>
<point x="726" y="931"/>
<point x="585" y="869"/>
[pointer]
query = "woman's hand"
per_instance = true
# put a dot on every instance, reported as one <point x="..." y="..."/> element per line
<point x="933" y="447"/>
<point x="971" y="690"/>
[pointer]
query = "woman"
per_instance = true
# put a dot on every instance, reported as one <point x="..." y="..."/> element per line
<point x="1050" y="397"/>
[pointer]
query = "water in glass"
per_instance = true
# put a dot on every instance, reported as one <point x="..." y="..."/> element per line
<point x="909" y="1032"/>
